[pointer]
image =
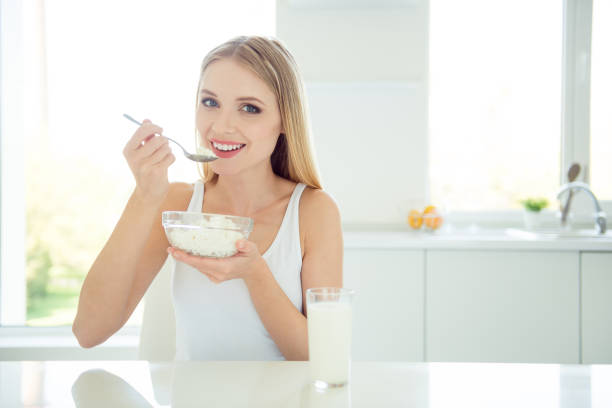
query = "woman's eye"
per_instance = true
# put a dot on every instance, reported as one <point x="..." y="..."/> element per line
<point x="211" y="103"/>
<point x="250" y="109"/>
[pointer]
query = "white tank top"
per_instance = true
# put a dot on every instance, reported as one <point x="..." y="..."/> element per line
<point x="219" y="321"/>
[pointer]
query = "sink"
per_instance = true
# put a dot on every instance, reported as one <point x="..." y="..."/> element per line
<point x="556" y="233"/>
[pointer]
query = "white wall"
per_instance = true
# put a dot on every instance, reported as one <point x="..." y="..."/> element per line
<point x="365" y="68"/>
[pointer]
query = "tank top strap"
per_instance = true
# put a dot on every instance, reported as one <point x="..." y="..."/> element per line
<point x="197" y="199"/>
<point x="292" y="216"/>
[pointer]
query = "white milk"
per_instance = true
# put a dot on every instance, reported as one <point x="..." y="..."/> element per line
<point x="329" y="341"/>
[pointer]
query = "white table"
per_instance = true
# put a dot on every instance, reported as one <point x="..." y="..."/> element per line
<point x="285" y="384"/>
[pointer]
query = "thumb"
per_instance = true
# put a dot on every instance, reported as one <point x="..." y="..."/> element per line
<point x="244" y="246"/>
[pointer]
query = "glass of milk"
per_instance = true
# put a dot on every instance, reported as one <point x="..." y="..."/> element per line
<point x="329" y="312"/>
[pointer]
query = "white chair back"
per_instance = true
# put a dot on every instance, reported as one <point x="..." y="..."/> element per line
<point x="158" y="330"/>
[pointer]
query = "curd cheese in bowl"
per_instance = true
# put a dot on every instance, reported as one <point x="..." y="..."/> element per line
<point x="209" y="235"/>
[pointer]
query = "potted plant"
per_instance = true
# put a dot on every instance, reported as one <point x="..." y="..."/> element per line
<point x="532" y="207"/>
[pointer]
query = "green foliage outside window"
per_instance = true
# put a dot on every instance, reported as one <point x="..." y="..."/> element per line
<point x="72" y="205"/>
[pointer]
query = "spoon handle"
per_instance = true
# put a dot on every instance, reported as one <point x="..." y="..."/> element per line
<point x="566" y="207"/>
<point x="128" y="117"/>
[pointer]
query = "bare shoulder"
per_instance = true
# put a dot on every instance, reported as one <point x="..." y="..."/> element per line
<point x="319" y="216"/>
<point x="179" y="195"/>
<point x="316" y="204"/>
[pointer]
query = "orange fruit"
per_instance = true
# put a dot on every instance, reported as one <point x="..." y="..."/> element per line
<point x="415" y="220"/>
<point x="431" y="218"/>
<point x="430" y="209"/>
<point x="433" y="222"/>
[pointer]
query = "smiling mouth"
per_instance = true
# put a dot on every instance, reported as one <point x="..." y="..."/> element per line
<point x="227" y="147"/>
<point x="226" y="150"/>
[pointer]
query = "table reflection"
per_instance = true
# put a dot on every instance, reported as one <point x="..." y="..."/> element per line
<point x="216" y="384"/>
<point x="333" y="398"/>
<point x="254" y="384"/>
<point x="99" y="388"/>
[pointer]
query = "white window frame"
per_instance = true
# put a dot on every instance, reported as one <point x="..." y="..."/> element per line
<point x="574" y="144"/>
<point x="576" y="75"/>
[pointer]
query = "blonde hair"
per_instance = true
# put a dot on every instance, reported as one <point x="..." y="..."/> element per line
<point x="292" y="157"/>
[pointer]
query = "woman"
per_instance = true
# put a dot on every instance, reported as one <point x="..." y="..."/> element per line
<point x="251" y="306"/>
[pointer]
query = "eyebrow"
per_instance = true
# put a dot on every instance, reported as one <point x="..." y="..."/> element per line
<point x="242" y="98"/>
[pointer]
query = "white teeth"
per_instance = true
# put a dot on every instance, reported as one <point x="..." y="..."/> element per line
<point x="225" y="147"/>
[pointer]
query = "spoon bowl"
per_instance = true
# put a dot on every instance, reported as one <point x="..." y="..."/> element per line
<point x="201" y="158"/>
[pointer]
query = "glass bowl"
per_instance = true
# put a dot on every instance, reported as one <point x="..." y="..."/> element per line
<point x="209" y="235"/>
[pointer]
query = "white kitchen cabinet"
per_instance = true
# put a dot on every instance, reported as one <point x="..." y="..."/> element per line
<point x="596" y="269"/>
<point x="502" y="306"/>
<point x="388" y="310"/>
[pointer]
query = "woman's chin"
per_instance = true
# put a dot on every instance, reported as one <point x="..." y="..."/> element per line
<point x="225" y="170"/>
<point x="231" y="167"/>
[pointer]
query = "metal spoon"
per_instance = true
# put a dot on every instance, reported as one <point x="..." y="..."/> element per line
<point x="572" y="173"/>
<point x="202" y="158"/>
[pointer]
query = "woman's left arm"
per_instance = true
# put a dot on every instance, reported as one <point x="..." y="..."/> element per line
<point x="321" y="235"/>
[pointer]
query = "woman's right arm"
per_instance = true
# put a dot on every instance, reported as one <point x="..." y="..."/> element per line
<point x="136" y="249"/>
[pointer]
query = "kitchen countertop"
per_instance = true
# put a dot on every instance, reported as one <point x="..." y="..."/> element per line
<point x="286" y="384"/>
<point x="477" y="238"/>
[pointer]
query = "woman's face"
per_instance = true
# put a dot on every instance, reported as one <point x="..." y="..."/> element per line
<point x="237" y="117"/>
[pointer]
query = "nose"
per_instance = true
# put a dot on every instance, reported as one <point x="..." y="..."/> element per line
<point x="224" y="122"/>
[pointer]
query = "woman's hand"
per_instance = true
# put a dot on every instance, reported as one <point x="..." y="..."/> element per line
<point x="243" y="265"/>
<point x="149" y="156"/>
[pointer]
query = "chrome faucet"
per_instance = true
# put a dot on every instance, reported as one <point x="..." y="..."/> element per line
<point x="575" y="186"/>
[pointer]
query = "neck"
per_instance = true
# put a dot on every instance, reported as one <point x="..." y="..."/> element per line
<point x="247" y="192"/>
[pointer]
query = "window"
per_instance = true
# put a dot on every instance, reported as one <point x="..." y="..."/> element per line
<point x="495" y="102"/>
<point x="513" y="102"/>
<point x="79" y="66"/>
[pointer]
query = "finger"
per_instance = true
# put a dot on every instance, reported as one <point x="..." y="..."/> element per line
<point x="167" y="161"/>
<point x="161" y="165"/>
<point x="147" y="121"/>
<point x="212" y="278"/>
<point x="142" y="134"/>
<point x="197" y="262"/>
<point x="241" y="245"/>
<point x="244" y="246"/>
<point x="157" y="156"/>
<point x="149" y="148"/>
<point x="139" y="141"/>
<point x="150" y="132"/>
<point x="206" y="266"/>
<point x="212" y="275"/>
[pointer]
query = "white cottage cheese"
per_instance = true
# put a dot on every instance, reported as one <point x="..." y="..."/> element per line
<point x="206" y="152"/>
<point x="207" y="239"/>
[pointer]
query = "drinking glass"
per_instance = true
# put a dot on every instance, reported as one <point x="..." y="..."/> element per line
<point x="329" y="312"/>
